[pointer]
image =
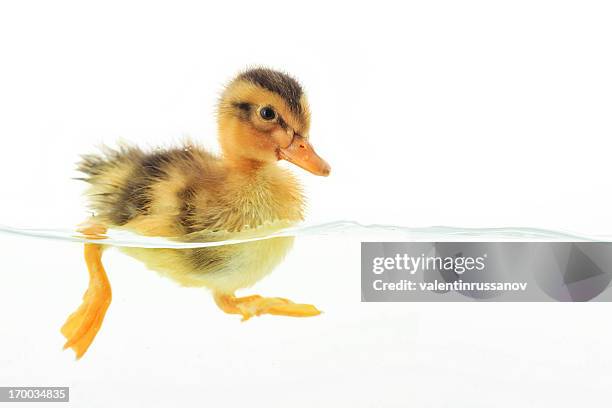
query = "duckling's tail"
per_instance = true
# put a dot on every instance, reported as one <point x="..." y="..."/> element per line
<point x="94" y="165"/>
<point x="108" y="174"/>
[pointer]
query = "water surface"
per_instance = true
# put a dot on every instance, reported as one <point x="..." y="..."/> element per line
<point x="349" y="229"/>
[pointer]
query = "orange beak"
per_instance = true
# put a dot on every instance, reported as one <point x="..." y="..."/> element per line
<point x="301" y="153"/>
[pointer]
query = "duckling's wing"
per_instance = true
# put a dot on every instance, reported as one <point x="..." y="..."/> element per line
<point x="147" y="192"/>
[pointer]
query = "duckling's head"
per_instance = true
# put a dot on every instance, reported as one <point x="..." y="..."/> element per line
<point x="264" y="117"/>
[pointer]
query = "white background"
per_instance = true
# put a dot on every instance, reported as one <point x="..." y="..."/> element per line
<point x="430" y="113"/>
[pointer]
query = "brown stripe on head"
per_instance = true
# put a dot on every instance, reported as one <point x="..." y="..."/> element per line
<point x="279" y="83"/>
<point x="257" y="88"/>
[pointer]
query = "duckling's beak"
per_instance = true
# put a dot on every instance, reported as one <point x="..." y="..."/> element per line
<point x="301" y="153"/>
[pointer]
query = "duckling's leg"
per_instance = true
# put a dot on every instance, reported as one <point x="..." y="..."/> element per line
<point x="256" y="305"/>
<point x="82" y="326"/>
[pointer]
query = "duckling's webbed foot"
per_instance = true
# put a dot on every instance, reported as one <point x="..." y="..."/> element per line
<point x="82" y="326"/>
<point x="256" y="305"/>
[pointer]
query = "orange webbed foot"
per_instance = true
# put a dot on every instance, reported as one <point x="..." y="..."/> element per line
<point x="256" y="305"/>
<point x="82" y="326"/>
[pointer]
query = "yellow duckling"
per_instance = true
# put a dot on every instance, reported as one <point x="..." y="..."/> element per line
<point x="190" y="194"/>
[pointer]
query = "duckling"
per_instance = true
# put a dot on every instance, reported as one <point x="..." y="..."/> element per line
<point x="192" y="195"/>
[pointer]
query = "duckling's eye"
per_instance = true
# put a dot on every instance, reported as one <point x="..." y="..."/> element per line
<point x="267" y="113"/>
